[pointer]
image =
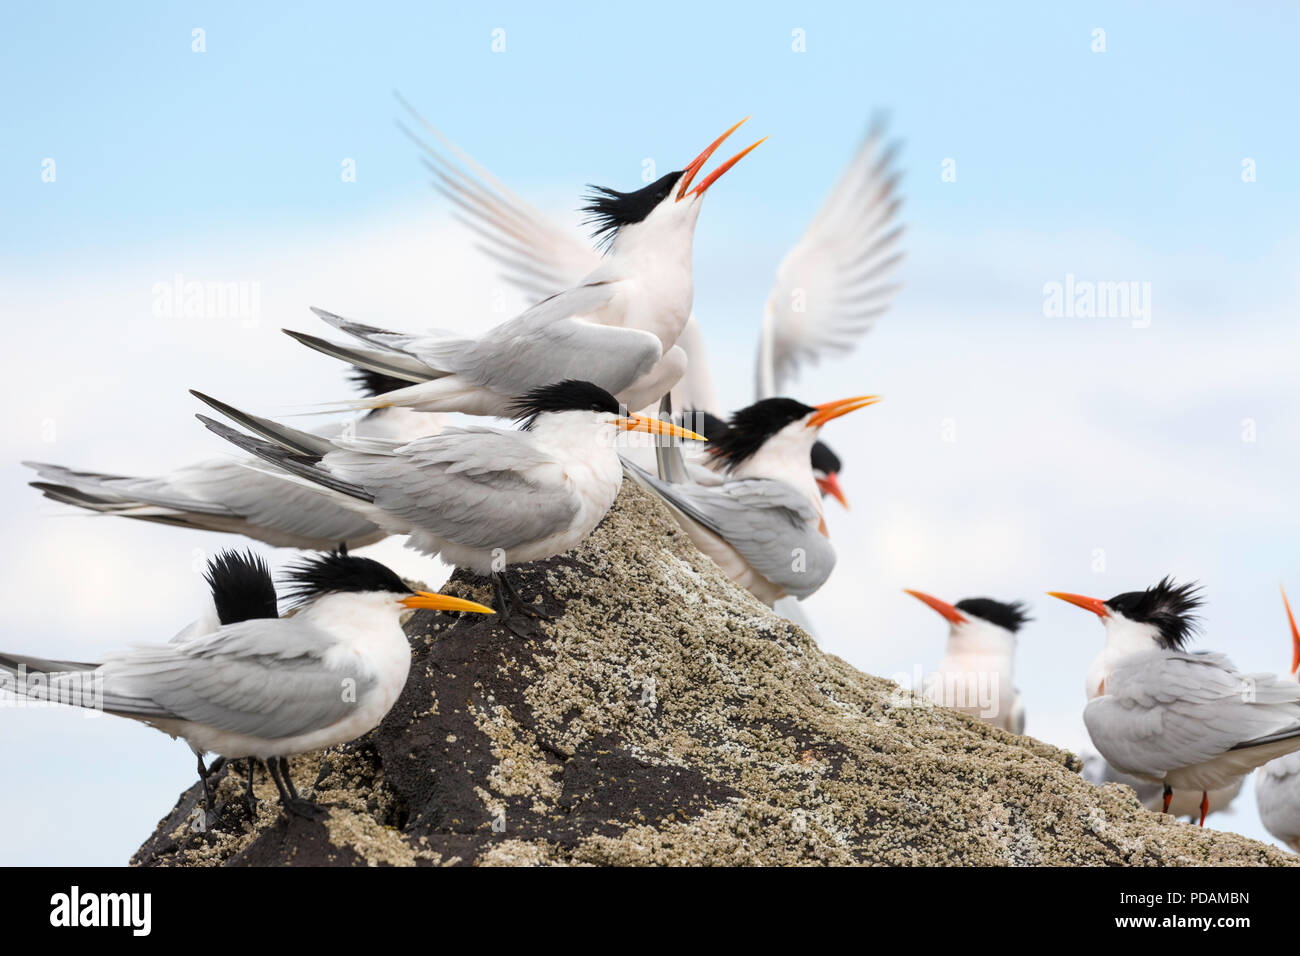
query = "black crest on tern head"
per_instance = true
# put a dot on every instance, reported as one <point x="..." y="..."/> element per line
<point x="753" y="425"/>
<point x="1168" y="606"/>
<point x="610" y="210"/>
<point x="571" y="395"/>
<point x="333" y="572"/>
<point x="825" y="460"/>
<point x="374" y="383"/>
<point x="1011" y="616"/>
<point x="241" y="585"/>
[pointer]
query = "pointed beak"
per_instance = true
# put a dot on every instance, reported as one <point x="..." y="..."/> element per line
<point x="442" y="602"/>
<point x="645" y="423"/>
<point x="1295" y="636"/>
<point x="946" y="610"/>
<point x="835" y="409"/>
<point x="1096" y="605"/>
<point x="830" y="485"/>
<point x="698" y="163"/>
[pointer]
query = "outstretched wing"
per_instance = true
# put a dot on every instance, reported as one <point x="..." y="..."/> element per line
<point x="536" y="255"/>
<point x="836" y="281"/>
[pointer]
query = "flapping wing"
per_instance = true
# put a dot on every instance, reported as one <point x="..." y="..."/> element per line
<point x="1166" y="711"/>
<point x="476" y="486"/>
<point x="834" y="284"/>
<point x="265" y="678"/>
<point x="536" y="255"/>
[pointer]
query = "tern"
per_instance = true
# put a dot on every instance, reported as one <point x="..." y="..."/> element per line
<point x="829" y="289"/>
<point x="617" y="326"/>
<point x="1186" y="721"/>
<point x="976" y="675"/>
<point x="1277" y="783"/>
<point x="266" y="688"/>
<point x="225" y="495"/>
<point x="761" y="519"/>
<point x="482" y="498"/>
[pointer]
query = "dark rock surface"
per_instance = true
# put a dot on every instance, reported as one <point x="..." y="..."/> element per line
<point x="671" y="719"/>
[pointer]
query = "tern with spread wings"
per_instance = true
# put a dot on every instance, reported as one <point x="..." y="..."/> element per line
<point x="830" y="288"/>
<point x="616" y="326"/>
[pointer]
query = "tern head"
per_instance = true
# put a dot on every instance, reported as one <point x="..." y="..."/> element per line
<point x="577" y="404"/>
<point x="981" y="620"/>
<point x="242" y="588"/>
<point x="1295" y="639"/>
<point x="662" y="212"/>
<point x="779" y="428"/>
<point x="340" y="573"/>
<point x="1161" y="616"/>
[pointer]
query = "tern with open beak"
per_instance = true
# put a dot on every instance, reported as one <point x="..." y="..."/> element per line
<point x="224" y="495"/>
<point x="481" y="498"/>
<point x="264" y="687"/>
<point x="977" y="673"/>
<point x="617" y="327"/>
<point x="829" y="290"/>
<point x="1277" y="783"/>
<point x="761" y="519"/>
<point x="1184" y="720"/>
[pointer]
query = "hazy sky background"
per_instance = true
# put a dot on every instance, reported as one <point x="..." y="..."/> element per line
<point x="1071" y="435"/>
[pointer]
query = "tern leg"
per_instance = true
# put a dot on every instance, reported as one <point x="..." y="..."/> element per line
<point x="204" y="772"/>
<point x="293" y="804"/>
<point x="1205" y="806"/>
<point x="513" y="612"/>
<point x="1169" y="795"/>
<point x="250" y="798"/>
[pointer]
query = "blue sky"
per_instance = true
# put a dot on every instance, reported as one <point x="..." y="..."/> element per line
<point x="1074" y="434"/>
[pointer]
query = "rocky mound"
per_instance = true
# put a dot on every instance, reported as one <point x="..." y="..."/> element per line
<point x="672" y="719"/>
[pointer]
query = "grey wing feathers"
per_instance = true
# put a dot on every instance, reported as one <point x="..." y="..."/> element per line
<point x="264" y="678"/>
<point x="770" y="524"/>
<point x="537" y="256"/>
<point x="833" y="284"/>
<point x="548" y="343"/>
<point x="468" y="485"/>
<point x="303" y="466"/>
<point x="1165" y="711"/>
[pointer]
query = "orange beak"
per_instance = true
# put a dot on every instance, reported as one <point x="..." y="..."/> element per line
<point x="442" y="602"/>
<point x="1095" y="605"/>
<point x="946" y="610"/>
<point x="1295" y="636"/>
<point x="698" y="163"/>
<point x="835" y="409"/>
<point x="645" y="423"/>
<point x="830" y="485"/>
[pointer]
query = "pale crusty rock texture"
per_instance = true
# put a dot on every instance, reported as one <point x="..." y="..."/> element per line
<point x="671" y="719"/>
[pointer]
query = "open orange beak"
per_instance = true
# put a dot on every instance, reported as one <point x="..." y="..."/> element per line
<point x="698" y="163"/>
<point x="1295" y="636"/>
<point x="830" y="485"/>
<point x="835" y="409"/>
<point x="645" y="423"/>
<point x="1096" y="605"/>
<point x="946" y="610"/>
<point x="442" y="602"/>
